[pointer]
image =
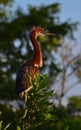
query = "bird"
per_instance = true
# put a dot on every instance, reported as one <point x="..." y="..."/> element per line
<point x="31" y="67"/>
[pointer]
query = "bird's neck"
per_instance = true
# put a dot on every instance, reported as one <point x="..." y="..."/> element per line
<point x="37" y="58"/>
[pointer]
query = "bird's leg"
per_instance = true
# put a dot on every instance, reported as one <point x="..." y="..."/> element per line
<point x="25" y="95"/>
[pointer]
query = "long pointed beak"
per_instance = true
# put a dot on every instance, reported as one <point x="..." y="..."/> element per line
<point x="47" y="33"/>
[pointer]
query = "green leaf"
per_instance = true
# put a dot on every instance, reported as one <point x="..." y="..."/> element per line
<point x="7" y="127"/>
<point x="66" y="128"/>
<point x="18" y="127"/>
<point x="0" y="125"/>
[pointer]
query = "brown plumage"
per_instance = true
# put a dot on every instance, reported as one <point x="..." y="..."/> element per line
<point x="31" y="68"/>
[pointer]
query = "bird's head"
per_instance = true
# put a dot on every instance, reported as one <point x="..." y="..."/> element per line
<point x="37" y="31"/>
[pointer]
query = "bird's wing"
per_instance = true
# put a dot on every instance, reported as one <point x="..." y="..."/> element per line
<point x="22" y="78"/>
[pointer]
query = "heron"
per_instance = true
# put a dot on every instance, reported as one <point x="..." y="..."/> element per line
<point x="31" y="67"/>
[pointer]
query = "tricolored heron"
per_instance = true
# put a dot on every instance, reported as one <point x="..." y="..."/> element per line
<point x="30" y="68"/>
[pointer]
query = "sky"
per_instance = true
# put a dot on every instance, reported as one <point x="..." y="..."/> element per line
<point x="70" y="9"/>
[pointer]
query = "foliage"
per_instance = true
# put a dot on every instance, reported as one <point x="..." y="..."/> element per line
<point x="5" y="127"/>
<point x="1" y="126"/>
<point x="37" y="114"/>
<point x="40" y="113"/>
<point x="74" y="105"/>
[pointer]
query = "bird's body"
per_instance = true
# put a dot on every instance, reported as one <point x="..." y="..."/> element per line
<point x="23" y="78"/>
<point x="30" y="68"/>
